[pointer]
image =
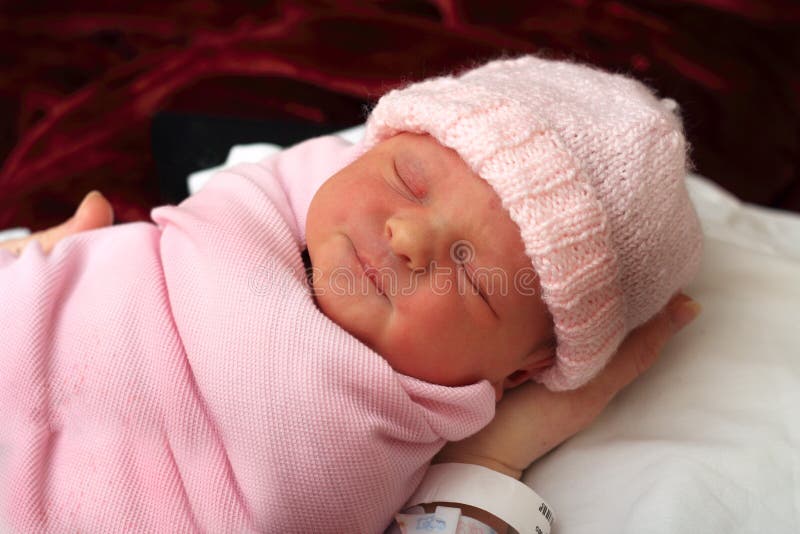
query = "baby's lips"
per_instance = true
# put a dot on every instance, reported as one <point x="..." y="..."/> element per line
<point x="372" y="274"/>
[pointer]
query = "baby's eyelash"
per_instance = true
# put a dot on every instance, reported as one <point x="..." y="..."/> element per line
<point x="417" y="193"/>
<point x="475" y="286"/>
<point x="401" y="188"/>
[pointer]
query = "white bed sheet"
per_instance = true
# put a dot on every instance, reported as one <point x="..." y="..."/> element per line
<point x="709" y="439"/>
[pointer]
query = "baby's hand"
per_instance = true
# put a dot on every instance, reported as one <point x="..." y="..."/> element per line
<point x="531" y="420"/>
<point x="94" y="212"/>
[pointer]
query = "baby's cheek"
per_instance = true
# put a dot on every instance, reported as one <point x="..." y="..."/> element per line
<point x="427" y="320"/>
<point x="417" y="349"/>
<point x="424" y="299"/>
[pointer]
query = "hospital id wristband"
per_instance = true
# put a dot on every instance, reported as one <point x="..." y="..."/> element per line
<point x="445" y="520"/>
<point x="502" y="496"/>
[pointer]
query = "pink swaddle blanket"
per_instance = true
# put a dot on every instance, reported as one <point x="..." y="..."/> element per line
<point x="178" y="377"/>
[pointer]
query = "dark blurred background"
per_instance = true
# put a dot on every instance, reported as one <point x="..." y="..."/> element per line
<point x="124" y="98"/>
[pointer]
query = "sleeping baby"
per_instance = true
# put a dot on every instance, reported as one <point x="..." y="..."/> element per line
<point x="287" y="349"/>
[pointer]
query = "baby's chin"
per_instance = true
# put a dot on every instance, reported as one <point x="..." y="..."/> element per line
<point x="357" y="324"/>
<point x="346" y="314"/>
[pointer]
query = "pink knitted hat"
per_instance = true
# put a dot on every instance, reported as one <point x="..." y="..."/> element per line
<point x="591" y="167"/>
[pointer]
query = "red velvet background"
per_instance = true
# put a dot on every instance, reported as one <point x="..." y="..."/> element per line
<point x="81" y="80"/>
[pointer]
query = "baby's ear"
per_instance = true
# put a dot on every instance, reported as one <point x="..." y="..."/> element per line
<point x="534" y="362"/>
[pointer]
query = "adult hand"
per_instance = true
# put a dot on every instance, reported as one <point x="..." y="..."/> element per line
<point x="531" y="420"/>
<point x="94" y="212"/>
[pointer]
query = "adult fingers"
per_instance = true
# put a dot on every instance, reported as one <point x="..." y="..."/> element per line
<point x="94" y="212"/>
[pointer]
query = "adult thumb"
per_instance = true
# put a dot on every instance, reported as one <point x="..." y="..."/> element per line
<point x="94" y="211"/>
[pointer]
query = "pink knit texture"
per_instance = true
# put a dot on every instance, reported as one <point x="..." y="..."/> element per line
<point x="179" y="378"/>
<point x="591" y="166"/>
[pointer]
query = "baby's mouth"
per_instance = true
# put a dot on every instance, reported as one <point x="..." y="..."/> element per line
<point x="371" y="273"/>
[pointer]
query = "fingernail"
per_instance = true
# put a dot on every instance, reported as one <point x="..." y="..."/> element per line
<point x="93" y="192"/>
<point x="72" y="220"/>
<point x="85" y="200"/>
<point x="684" y="313"/>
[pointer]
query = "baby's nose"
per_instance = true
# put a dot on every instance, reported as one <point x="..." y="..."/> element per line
<point x="412" y="240"/>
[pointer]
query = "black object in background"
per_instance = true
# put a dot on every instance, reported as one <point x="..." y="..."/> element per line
<point x="183" y="144"/>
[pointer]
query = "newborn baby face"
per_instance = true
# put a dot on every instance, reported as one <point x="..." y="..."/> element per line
<point x="414" y="255"/>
